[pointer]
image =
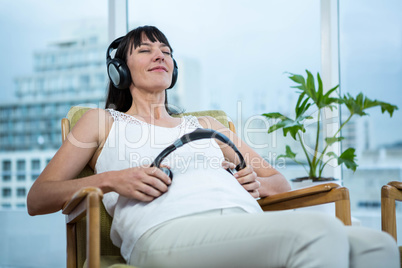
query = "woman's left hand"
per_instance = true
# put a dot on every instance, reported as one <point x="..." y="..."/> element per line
<point x="246" y="177"/>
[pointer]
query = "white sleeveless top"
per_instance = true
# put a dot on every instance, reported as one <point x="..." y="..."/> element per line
<point x="199" y="182"/>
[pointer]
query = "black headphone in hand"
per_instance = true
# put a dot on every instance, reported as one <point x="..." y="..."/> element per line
<point x="198" y="134"/>
<point x="118" y="71"/>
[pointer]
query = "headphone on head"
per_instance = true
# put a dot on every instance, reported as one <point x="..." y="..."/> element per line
<point x="118" y="71"/>
<point x="198" y="134"/>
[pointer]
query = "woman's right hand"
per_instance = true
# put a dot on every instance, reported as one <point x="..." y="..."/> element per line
<point x="143" y="183"/>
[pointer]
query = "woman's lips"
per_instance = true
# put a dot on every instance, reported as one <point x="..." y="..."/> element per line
<point x="158" y="69"/>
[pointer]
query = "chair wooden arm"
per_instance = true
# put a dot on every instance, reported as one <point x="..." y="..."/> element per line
<point x="311" y="196"/>
<point x="84" y="202"/>
<point x="389" y="194"/>
<point x="396" y="184"/>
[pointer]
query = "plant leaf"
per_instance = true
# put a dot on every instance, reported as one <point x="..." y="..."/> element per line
<point x="331" y="140"/>
<point x="332" y="154"/>
<point x="310" y="87"/>
<point x="293" y="130"/>
<point x="299" y="79"/>
<point x="320" y="95"/>
<point x="274" y="115"/>
<point x="289" y="125"/>
<point x="328" y="101"/>
<point x="348" y="158"/>
<point x="360" y="103"/>
<point x="276" y="127"/>
<point x="289" y="153"/>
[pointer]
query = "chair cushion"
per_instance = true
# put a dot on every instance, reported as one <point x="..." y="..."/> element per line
<point x="76" y="112"/>
<point x="121" y="266"/>
<point x="219" y="115"/>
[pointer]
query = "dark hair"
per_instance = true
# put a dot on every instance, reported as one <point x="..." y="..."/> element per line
<point x="121" y="99"/>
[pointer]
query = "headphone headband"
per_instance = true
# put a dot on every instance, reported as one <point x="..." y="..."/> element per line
<point x="198" y="134"/>
<point x="114" y="45"/>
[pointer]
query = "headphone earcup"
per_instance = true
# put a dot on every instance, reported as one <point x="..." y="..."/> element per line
<point x="167" y="172"/>
<point x="174" y="75"/>
<point x="119" y="73"/>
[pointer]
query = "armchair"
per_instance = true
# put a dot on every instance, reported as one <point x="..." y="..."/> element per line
<point x="88" y="224"/>
<point x="389" y="194"/>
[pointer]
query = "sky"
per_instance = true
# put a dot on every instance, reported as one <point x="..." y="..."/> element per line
<point x="27" y="26"/>
<point x="242" y="49"/>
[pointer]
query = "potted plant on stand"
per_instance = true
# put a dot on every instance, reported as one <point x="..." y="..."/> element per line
<point x="313" y="98"/>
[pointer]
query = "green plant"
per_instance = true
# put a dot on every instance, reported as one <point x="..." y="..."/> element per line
<point x="312" y="97"/>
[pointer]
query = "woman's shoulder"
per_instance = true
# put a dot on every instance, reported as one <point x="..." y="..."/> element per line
<point x="96" y="115"/>
<point x="94" y="119"/>
<point x="210" y="122"/>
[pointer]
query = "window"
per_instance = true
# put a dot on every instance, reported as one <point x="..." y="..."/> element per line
<point x="20" y="165"/>
<point x="84" y="81"/>
<point x="19" y="141"/>
<point x="6" y="192"/>
<point x="262" y="45"/>
<point x="35" y="164"/>
<point x="21" y="192"/>
<point x="6" y="178"/>
<point x="6" y="165"/>
<point x="370" y="61"/>
<point x="42" y="37"/>
<point x="19" y="126"/>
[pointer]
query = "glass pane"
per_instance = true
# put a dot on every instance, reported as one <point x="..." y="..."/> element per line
<point x="50" y="52"/>
<point x="233" y="55"/>
<point x="21" y="192"/>
<point x="7" y="192"/>
<point x="371" y="63"/>
<point x="6" y="165"/>
<point x="20" y="165"/>
<point x="35" y="164"/>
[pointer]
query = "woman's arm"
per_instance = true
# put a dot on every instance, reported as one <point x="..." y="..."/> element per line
<point x="259" y="175"/>
<point x="56" y="184"/>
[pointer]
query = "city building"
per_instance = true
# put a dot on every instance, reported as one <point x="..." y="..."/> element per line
<point x="66" y="74"/>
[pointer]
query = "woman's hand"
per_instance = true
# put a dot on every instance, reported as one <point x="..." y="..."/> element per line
<point x="246" y="177"/>
<point x="143" y="183"/>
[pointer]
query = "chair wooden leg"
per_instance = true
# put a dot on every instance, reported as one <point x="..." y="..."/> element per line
<point x="93" y="231"/>
<point x="388" y="216"/>
<point x="342" y="211"/>
<point x="71" y="246"/>
<point x="342" y="206"/>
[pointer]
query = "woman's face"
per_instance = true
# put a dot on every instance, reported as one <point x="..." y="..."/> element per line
<point x="151" y="65"/>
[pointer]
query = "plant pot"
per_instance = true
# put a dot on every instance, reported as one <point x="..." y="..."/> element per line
<point x="303" y="182"/>
<point x="328" y="208"/>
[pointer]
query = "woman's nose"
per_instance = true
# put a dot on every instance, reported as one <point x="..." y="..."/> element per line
<point x="159" y="56"/>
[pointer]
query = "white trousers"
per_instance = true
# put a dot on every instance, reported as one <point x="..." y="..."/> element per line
<point x="233" y="238"/>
